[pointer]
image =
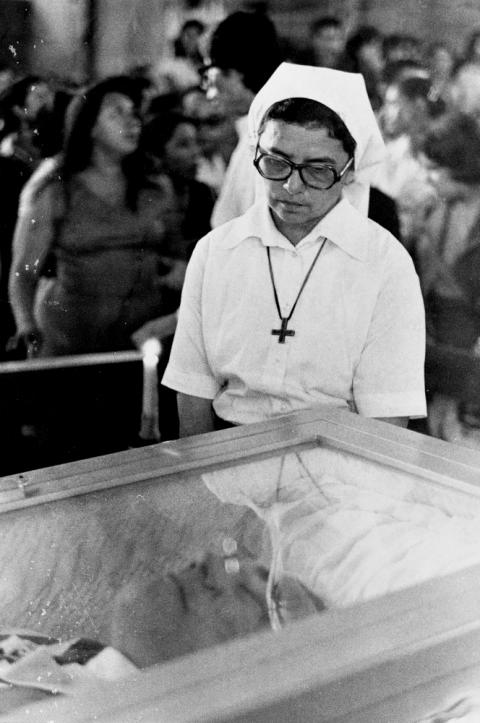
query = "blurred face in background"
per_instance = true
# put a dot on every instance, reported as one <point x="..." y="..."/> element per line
<point x="328" y="45"/>
<point x="227" y="88"/>
<point x="398" y="112"/>
<point x="182" y="152"/>
<point x="405" y="49"/>
<point x="415" y="202"/>
<point x="444" y="183"/>
<point x="191" y="41"/>
<point x="214" y="129"/>
<point x="370" y="56"/>
<point x="117" y="128"/>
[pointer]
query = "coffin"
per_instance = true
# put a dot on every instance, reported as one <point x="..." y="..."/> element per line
<point x="72" y="537"/>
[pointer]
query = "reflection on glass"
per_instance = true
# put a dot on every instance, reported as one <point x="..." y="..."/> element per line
<point x="287" y="599"/>
<point x="224" y="551"/>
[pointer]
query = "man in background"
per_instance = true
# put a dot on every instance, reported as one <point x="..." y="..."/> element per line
<point x="327" y="43"/>
<point x="244" y="52"/>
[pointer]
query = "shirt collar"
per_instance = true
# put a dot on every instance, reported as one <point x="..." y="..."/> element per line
<point x="336" y="226"/>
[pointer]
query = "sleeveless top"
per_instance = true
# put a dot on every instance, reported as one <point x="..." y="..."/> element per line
<point x="108" y="271"/>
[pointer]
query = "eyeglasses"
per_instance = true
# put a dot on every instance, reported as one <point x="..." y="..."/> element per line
<point x="320" y="176"/>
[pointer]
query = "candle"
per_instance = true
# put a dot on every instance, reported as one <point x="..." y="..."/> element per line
<point x="151" y="350"/>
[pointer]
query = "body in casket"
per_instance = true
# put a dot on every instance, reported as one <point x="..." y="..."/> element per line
<point x="88" y="531"/>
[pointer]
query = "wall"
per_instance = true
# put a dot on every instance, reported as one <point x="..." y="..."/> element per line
<point x="293" y="18"/>
<point x="133" y="32"/>
<point x="449" y="20"/>
<point x="58" y="37"/>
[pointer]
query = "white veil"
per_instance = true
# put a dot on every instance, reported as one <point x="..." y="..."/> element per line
<point x="346" y="95"/>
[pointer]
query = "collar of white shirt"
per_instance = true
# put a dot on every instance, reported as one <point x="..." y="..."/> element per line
<point x="344" y="226"/>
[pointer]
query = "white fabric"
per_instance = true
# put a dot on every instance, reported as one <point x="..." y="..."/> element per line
<point x="241" y="183"/>
<point x="359" y="322"/>
<point x="351" y="529"/>
<point x="211" y="171"/>
<point x="400" y="169"/>
<point x="346" y="95"/>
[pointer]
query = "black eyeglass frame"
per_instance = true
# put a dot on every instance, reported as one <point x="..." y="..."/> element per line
<point x="337" y="175"/>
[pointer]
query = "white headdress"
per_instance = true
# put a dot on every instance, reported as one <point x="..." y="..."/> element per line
<point x="346" y="95"/>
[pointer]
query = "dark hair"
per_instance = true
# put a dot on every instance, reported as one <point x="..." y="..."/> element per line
<point x="364" y="36"/>
<point x="194" y="24"/>
<point x="397" y="40"/>
<point x="80" y="119"/>
<point x="158" y="130"/>
<point x="472" y="39"/>
<point x="397" y="69"/>
<point x="246" y="42"/>
<point x="311" y="114"/>
<point x="327" y="21"/>
<point x="165" y="102"/>
<point x="12" y="97"/>
<point x="178" y="46"/>
<point x="453" y="142"/>
<point x="415" y="87"/>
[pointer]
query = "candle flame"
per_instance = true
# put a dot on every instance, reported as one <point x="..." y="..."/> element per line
<point x="151" y="349"/>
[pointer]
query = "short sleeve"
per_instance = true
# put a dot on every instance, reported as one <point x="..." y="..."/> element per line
<point x="188" y="370"/>
<point x="389" y="378"/>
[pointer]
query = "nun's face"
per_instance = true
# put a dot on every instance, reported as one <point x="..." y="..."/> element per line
<point x="296" y="208"/>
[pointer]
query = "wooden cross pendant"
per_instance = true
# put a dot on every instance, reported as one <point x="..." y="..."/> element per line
<point x="283" y="331"/>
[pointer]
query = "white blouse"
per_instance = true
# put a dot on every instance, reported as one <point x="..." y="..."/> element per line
<point x="359" y="323"/>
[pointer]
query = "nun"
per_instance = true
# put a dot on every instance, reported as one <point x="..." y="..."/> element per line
<point x="302" y="301"/>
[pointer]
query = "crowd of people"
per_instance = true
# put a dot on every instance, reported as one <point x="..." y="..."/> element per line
<point x="108" y="187"/>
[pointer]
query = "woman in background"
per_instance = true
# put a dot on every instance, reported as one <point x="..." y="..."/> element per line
<point x="407" y="113"/>
<point x="170" y="145"/>
<point x="88" y="266"/>
<point x="364" y="54"/>
<point x="448" y="256"/>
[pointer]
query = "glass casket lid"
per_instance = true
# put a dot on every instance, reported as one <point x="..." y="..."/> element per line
<point x="155" y="552"/>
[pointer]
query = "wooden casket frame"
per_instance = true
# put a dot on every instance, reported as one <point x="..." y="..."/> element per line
<point x="401" y="657"/>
